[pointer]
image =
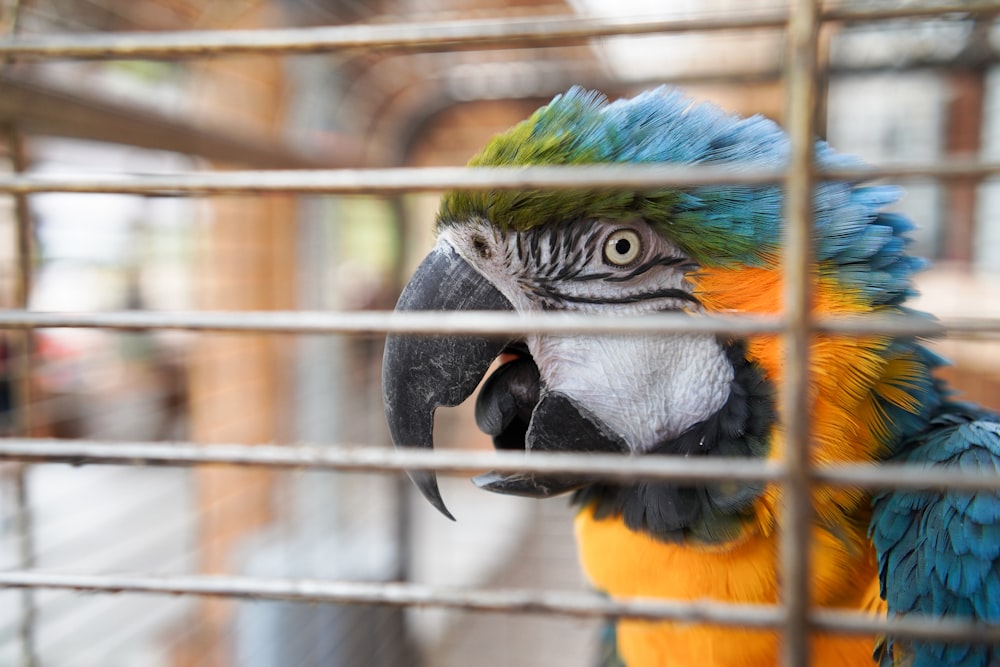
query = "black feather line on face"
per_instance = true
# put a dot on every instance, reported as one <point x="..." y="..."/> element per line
<point x="708" y="512"/>
<point x="567" y="248"/>
<point x="666" y="260"/>
<point x="668" y="293"/>
<point x="534" y="248"/>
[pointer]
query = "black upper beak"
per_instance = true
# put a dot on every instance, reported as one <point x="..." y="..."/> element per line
<point x="422" y="373"/>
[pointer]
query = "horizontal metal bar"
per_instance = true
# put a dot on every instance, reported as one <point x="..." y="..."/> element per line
<point x="858" y="13"/>
<point x="563" y="603"/>
<point x="437" y="179"/>
<point x="423" y="36"/>
<point x="911" y="627"/>
<point x="375" y="322"/>
<point x="386" y="181"/>
<point x="434" y="35"/>
<point x="380" y="459"/>
<point x="378" y="322"/>
<point x="566" y="603"/>
<point x="873" y="477"/>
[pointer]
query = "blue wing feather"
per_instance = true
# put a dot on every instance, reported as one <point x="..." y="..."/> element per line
<point x="939" y="553"/>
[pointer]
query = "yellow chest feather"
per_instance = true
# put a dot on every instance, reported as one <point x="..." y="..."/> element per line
<point x="844" y="575"/>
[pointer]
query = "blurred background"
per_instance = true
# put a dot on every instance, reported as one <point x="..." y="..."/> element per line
<point x="893" y="92"/>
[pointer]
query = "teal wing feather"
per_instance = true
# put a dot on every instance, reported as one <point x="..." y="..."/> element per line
<point x="939" y="553"/>
<point x="608" y="649"/>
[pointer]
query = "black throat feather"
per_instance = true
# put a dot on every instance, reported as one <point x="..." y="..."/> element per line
<point x="706" y="512"/>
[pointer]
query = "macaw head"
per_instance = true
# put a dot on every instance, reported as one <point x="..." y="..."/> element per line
<point x="613" y="253"/>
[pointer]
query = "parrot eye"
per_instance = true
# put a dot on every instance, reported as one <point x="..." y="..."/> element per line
<point x="622" y="247"/>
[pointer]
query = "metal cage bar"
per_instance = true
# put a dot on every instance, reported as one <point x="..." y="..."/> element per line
<point x="796" y="510"/>
<point x="24" y="372"/>
<point x="500" y="33"/>
<point x="361" y="458"/>
<point x="502" y="600"/>
<point x="483" y="322"/>
<point x="437" y="179"/>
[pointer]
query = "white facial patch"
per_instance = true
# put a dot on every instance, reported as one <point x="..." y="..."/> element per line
<point x="647" y="388"/>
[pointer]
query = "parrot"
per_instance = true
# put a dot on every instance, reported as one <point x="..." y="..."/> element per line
<point x="702" y="250"/>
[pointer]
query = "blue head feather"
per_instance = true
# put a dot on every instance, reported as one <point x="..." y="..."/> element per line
<point x="719" y="225"/>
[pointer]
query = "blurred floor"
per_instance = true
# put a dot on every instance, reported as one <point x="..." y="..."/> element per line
<point x="545" y="560"/>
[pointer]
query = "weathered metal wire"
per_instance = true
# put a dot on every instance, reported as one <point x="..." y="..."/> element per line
<point x="437" y="35"/>
<point x="796" y="511"/>
<point x="436" y="179"/>
<point x="373" y="322"/>
<point x="360" y="458"/>
<point x="520" y="601"/>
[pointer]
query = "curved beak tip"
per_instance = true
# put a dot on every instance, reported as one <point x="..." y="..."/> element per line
<point x="426" y="482"/>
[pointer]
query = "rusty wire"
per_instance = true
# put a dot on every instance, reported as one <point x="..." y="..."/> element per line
<point x="435" y="179"/>
<point x="574" y="604"/>
<point x="373" y="322"/>
<point x="437" y="35"/>
<point x="362" y="458"/>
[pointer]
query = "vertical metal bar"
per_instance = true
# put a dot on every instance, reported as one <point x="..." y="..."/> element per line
<point x="21" y="369"/>
<point x="801" y="96"/>
<point x="22" y="214"/>
<point x="964" y="127"/>
<point x="404" y="508"/>
<point x="26" y="560"/>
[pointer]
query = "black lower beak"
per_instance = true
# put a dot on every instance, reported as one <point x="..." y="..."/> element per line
<point x="422" y="373"/>
<point x="558" y="424"/>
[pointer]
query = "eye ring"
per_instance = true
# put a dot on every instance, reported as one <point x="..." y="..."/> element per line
<point x="622" y="248"/>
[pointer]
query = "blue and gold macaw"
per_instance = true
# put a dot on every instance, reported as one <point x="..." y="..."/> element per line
<point x="705" y="249"/>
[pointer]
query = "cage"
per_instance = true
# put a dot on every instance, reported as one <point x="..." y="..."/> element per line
<point x="209" y="210"/>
